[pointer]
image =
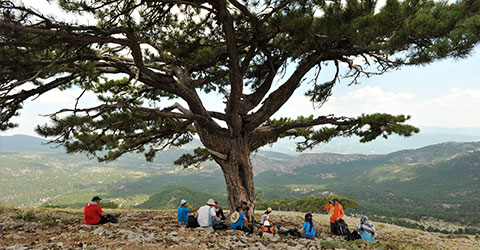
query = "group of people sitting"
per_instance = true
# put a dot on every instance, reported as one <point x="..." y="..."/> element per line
<point x="211" y="215"/>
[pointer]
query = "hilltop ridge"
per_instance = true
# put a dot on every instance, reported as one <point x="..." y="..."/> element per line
<point x="147" y="229"/>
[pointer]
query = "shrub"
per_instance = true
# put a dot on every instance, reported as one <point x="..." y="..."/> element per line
<point x="27" y="216"/>
<point x="49" y="223"/>
<point x="109" y="205"/>
<point x="330" y="244"/>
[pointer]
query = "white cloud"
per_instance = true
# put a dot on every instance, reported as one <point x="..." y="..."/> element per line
<point x="458" y="108"/>
<point x="377" y="95"/>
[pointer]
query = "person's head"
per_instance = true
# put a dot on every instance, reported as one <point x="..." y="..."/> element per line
<point x="335" y="201"/>
<point x="239" y="209"/>
<point x="363" y="219"/>
<point x="244" y="204"/>
<point x="269" y="210"/>
<point x="96" y="199"/>
<point x="216" y="205"/>
<point x="211" y="202"/>
<point x="183" y="203"/>
<point x="308" y="217"/>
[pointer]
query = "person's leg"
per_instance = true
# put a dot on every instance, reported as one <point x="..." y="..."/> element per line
<point x="221" y="215"/>
<point x="103" y="220"/>
<point x="310" y="237"/>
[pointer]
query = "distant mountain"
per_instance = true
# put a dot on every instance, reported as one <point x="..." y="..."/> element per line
<point x="440" y="181"/>
<point x="24" y="143"/>
<point x="170" y="197"/>
<point x="351" y="145"/>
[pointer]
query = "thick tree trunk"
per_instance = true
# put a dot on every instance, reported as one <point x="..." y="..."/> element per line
<point x="238" y="173"/>
<point x="233" y="156"/>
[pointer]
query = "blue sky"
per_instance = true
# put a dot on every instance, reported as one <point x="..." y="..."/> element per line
<point x="443" y="94"/>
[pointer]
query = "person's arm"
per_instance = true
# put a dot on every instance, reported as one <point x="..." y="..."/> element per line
<point x="302" y="230"/>
<point x="196" y="209"/>
<point x="249" y="215"/>
<point x="245" y="221"/>
<point x="100" y="211"/>
<point x="213" y="214"/>
<point x="341" y="211"/>
<point x="327" y="207"/>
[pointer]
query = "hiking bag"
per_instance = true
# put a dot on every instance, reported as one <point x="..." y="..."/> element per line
<point x="341" y="227"/>
<point x="220" y="226"/>
<point x="110" y="218"/>
<point x="192" y="221"/>
<point x="353" y="235"/>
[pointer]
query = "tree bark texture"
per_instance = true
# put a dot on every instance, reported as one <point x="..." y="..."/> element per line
<point x="237" y="168"/>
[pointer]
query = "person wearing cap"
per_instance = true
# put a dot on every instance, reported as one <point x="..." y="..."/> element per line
<point x="206" y="216"/>
<point x="336" y="213"/>
<point x="308" y="230"/>
<point x="266" y="222"/>
<point x="93" y="214"/>
<point x="239" y="221"/>
<point x="183" y="210"/>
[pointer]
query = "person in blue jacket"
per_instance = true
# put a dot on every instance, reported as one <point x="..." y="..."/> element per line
<point x="183" y="210"/>
<point x="308" y="229"/>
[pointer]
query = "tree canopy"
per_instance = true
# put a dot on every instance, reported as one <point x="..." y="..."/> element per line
<point x="144" y="53"/>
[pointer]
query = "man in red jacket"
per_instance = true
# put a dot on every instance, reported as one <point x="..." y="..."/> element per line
<point x="93" y="213"/>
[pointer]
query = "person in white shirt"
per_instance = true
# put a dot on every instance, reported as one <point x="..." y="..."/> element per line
<point x="266" y="222"/>
<point x="206" y="215"/>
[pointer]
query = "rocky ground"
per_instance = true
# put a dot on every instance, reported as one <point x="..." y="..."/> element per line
<point x="139" y="229"/>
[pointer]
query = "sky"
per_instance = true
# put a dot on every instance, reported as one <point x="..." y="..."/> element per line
<point x="443" y="94"/>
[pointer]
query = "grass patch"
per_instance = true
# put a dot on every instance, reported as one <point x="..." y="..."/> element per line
<point x="403" y="246"/>
<point x="26" y="216"/>
<point x="49" y="223"/>
<point x="7" y="208"/>
<point x="330" y="244"/>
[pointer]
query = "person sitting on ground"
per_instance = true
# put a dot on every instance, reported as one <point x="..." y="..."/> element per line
<point x="239" y="221"/>
<point x="248" y="212"/>
<point x="267" y="222"/>
<point x="206" y="216"/>
<point x="366" y="229"/>
<point x="94" y="215"/>
<point x="308" y="230"/>
<point x="219" y="212"/>
<point x="336" y="213"/>
<point x="183" y="210"/>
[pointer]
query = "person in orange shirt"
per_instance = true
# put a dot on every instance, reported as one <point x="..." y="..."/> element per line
<point x="336" y="213"/>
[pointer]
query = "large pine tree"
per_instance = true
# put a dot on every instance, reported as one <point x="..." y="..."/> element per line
<point x="254" y="54"/>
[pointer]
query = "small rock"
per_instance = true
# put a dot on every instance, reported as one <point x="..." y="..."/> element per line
<point x="17" y="247"/>
<point x="99" y="231"/>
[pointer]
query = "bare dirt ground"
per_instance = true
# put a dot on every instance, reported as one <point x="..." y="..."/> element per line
<point x="143" y="229"/>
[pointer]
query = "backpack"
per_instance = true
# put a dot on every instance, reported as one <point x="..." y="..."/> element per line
<point x="192" y="222"/>
<point x="341" y="227"/>
<point x="220" y="226"/>
<point x="294" y="232"/>
<point x="110" y="218"/>
<point x="353" y="236"/>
